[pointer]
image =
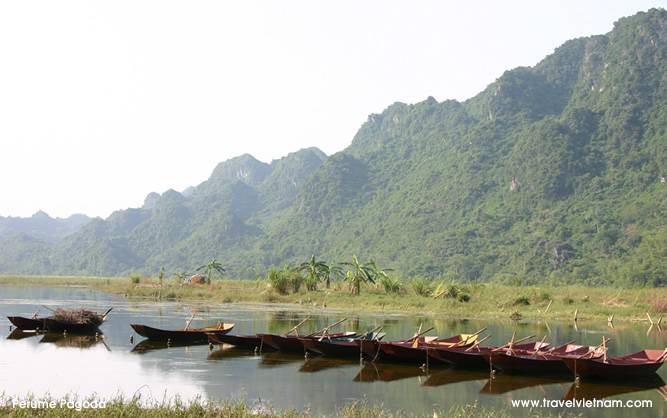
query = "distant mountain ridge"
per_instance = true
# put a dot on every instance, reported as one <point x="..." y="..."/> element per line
<point x="554" y="173"/>
<point x="40" y="225"/>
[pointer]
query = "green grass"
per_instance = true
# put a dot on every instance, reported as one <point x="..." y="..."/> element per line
<point x="485" y="300"/>
<point x="238" y="409"/>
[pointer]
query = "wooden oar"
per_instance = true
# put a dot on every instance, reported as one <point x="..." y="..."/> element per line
<point x="469" y="337"/>
<point x="187" y="325"/>
<point x="297" y="326"/>
<point x="605" y="340"/>
<point x="104" y="317"/>
<point x="327" y="328"/>
<point x="419" y="334"/>
<point x="552" y="349"/>
<point x="514" y="342"/>
<point x="539" y="346"/>
<point x="477" y="343"/>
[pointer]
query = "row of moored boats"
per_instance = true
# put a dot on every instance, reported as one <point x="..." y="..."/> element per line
<point x="464" y="350"/>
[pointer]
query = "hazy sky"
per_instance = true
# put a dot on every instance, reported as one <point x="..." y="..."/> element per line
<point x="104" y="102"/>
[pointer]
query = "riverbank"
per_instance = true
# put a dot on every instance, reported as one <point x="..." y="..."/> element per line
<point x="482" y="301"/>
<point x="241" y="410"/>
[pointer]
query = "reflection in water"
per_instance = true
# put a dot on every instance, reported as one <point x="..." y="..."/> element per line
<point x="84" y="372"/>
<point x="454" y="375"/>
<point x="230" y="352"/>
<point x="503" y="382"/>
<point x="72" y="340"/>
<point x="387" y="372"/>
<point x="274" y="359"/>
<point x="319" y="363"/>
<point x="18" y="334"/>
<point x="150" y="345"/>
<point x="599" y="390"/>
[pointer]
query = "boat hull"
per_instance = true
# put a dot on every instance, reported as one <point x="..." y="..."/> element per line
<point x="290" y="343"/>
<point x="527" y="364"/>
<point x="460" y="357"/>
<point x="27" y="324"/>
<point x="53" y="325"/>
<point x="181" y="336"/>
<point x="344" y="349"/>
<point x="598" y="369"/>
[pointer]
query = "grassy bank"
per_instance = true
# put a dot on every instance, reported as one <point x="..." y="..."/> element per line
<point x="242" y="410"/>
<point x="481" y="300"/>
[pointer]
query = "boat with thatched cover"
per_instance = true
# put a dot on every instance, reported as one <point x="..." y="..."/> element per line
<point x="76" y="321"/>
<point x="185" y="335"/>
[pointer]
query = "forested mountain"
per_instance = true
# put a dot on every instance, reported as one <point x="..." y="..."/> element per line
<point x="41" y="226"/>
<point x="554" y="173"/>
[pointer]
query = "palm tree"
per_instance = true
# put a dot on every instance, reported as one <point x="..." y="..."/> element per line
<point x="377" y="272"/>
<point x="315" y="270"/>
<point x="211" y="267"/>
<point x="358" y="274"/>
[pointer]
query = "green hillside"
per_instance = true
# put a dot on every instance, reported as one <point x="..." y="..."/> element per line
<point x="552" y="174"/>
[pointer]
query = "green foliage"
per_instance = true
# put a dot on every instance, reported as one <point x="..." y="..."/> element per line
<point x="278" y="280"/>
<point x="521" y="300"/>
<point x="135" y="279"/>
<point x="391" y="284"/>
<point x="422" y="286"/>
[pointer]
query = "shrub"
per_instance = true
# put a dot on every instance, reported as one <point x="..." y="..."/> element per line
<point x="310" y="282"/>
<point x="568" y="300"/>
<point x="521" y="300"/>
<point x="278" y="281"/>
<point x="464" y="297"/>
<point x="422" y="287"/>
<point x="135" y="279"/>
<point x="294" y="279"/>
<point x="390" y="284"/>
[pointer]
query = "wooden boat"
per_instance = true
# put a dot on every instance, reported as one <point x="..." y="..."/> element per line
<point x="416" y="350"/>
<point x="53" y="325"/>
<point x="540" y="361"/>
<point x="241" y="341"/>
<point x="340" y="347"/>
<point x="75" y="321"/>
<point x="640" y="364"/>
<point x="293" y="343"/>
<point x="27" y="324"/>
<point x="191" y="335"/>
<point x="472" y="357"/>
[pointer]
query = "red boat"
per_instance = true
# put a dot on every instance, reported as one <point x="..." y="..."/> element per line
<point x="470" y="358"/>
<point x="292" y="343"/>
<point x="640" y="364"/>
<point x="342" y="347"/>
<point x="416" y="350"/>
<point x="242" y="341"/>
<point x="540" y="361"/>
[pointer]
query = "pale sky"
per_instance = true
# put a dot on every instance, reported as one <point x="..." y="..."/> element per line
<point x="103" y="102"/>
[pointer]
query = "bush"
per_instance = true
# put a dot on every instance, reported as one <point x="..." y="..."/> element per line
<point x="294" y="279"/>
<point x="278" y="281"/>
<point x="521" y="300"/>
<point x="464" y="297"/>
<point x="422" y="287"/>
<point x="135" y="279"/>
<point x="454" y="291"/>
<point x="310" y="282"/>
<point x="390" y="284"/>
